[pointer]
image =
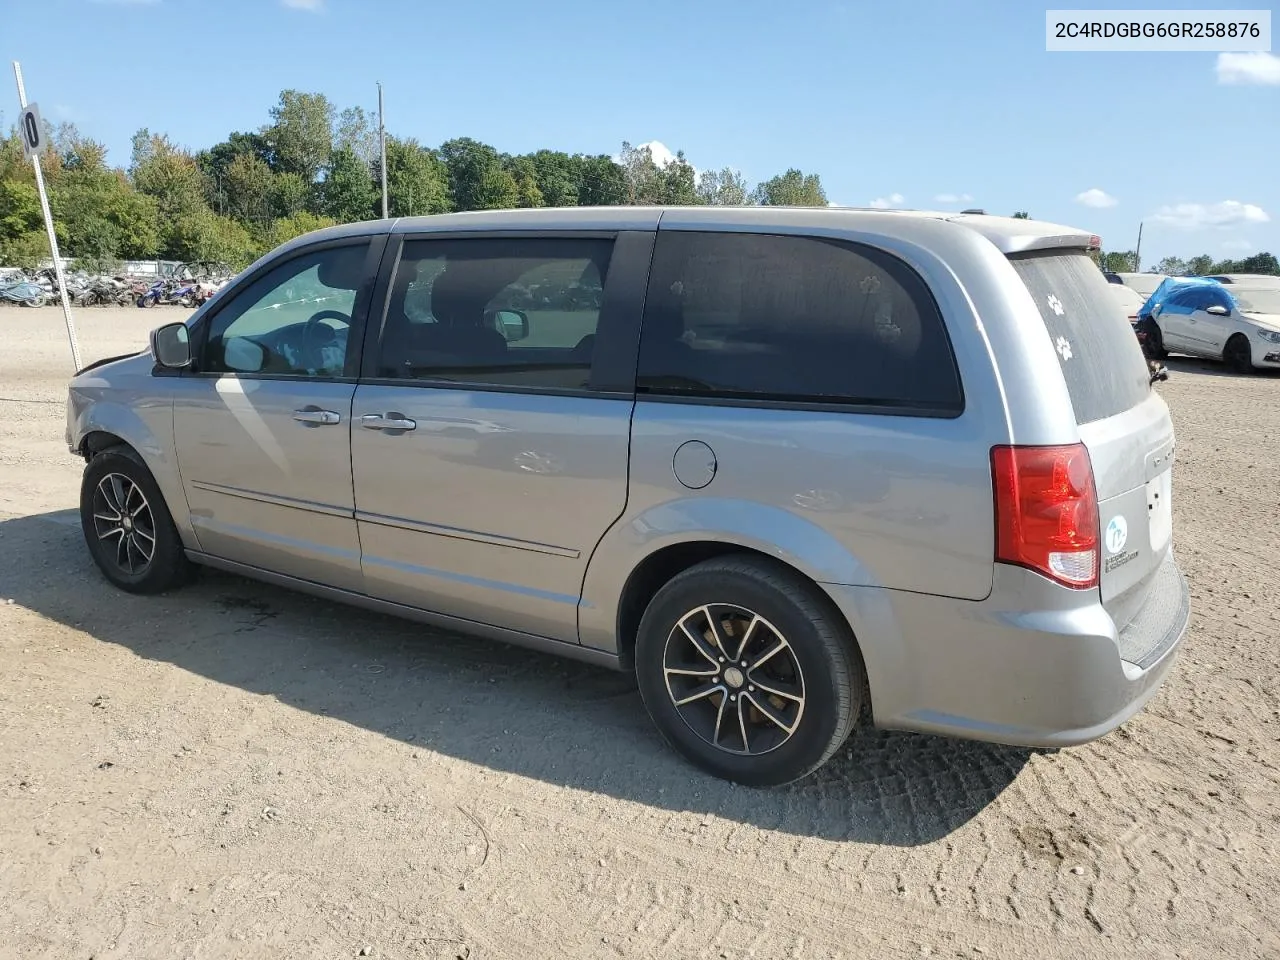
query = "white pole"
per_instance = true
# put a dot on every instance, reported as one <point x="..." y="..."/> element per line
<point x="53" y="237"/>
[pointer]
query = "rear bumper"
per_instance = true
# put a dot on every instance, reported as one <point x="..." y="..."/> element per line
<point x="992" y="671"/>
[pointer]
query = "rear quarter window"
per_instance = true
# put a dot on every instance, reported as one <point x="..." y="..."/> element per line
<point x="768" y="318"/>
<point x="1100" y="358"/>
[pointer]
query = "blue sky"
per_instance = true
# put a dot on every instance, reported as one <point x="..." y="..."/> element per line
<point x="919" y="103"/>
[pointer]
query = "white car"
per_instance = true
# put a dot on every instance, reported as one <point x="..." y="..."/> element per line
<point x="1201" y="322"/>
<point x="1144" y="284"/>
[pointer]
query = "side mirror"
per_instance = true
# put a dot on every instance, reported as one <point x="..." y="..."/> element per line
<point x="171" y="346"/>
<point x="512" y="324"/>
<point x="1218" y="310"/>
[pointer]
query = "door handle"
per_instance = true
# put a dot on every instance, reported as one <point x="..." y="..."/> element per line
<point x="317" y="417"/>
<point x="389" y="421"/>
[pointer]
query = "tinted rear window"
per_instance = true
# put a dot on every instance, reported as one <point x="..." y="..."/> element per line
<point x="753" y="317"/>
<point x="1099" y="355"/>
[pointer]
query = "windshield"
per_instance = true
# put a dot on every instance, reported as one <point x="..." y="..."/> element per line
<point x="1257" y="301"/>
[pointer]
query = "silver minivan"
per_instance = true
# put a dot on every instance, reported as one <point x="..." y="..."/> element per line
<point x="792" y="467"/>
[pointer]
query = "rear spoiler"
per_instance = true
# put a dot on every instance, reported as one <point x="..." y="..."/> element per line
<point x="1013" y="236"/>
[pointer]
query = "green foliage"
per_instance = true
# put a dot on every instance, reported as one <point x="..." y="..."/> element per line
<point x="290" y="194"/>
<point x="203" y="235"/>
<point x="1126" y="262"/>
<point x="1022" y="215"/>
<point x="723" y="188"/>
<point x="417" y="179"/>
<point x="27" y="251"/>
<point x="477" y="178"/>
<point x="649" y="183"/>
<point x="1263" y="263"/>
<point x="286" y="228"/>
<point x="250" y="189"/>
<point x="347" y="192"/>
<point x="792" y="189"/>
<point x="300" y="136"/>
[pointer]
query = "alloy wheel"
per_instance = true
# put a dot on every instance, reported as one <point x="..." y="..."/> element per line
<point x="124" y="523"/>
<point x="734" y="679"/>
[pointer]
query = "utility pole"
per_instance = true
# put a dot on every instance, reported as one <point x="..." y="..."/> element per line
<point x="1137" y="253"/>
<point x="382" y="150"/>
<point x="35" y="143"/>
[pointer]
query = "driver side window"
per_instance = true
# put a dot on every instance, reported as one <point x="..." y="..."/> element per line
<point x="295" y="320"/>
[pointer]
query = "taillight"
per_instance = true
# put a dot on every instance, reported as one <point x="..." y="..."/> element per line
<point x="1047" y="512"/>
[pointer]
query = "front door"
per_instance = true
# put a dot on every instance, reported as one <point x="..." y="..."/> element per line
<point x="488" y="459"/>
<point x="262" y="426"/>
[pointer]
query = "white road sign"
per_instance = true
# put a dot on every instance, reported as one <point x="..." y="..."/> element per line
<point x="34" y="139"/>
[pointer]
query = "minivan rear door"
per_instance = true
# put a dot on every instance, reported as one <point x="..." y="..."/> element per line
<point x="1124" y="423"/>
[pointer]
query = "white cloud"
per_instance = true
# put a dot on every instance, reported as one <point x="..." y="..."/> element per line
<point x="1249" y="68"/>
<point x="1098" y="199"/>
<point x="1195" y="216"/>
<point x="892" y="200"/>
<point x="953" y="197"/>
<point x="311" y="6"/>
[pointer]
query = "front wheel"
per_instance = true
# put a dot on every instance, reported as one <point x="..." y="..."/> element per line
<point x="1239" y="354"/>
<point x="127" y="526"/>
<point x="748" y="671"/>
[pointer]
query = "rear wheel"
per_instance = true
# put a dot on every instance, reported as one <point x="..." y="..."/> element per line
<point x="1239" y="354"/>
<point x="127" y="526"/>
<point x="748" y="671"/>
<point x="1155" y="341"/>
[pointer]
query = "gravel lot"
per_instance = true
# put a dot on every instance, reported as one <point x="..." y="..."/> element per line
<point x="235" y="771"/>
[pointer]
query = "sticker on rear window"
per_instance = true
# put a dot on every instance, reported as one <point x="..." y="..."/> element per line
<point x="1055" y="304"/>
<point x="1063" y="346"/>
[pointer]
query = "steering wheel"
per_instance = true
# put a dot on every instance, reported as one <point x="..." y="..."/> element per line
<point x="311" y="346"/>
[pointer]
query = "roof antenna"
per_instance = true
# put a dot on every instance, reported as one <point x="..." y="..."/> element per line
<point x="975" y="210"/>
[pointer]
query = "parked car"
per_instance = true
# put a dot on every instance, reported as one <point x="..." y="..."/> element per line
<point x="789" y="467"/>
<point x="1144" y="284"/>
<point x="1239" y="325"/>
<point x="1247" y="279"/>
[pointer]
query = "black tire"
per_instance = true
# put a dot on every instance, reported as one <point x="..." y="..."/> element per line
<point x="820" y="662"/>
<point x="119" y="474"/>
<point x="1155" y="341"/>
<point x="1239" y="354"/>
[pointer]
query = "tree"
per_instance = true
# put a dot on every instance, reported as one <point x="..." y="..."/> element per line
<point x="1120" y="262"/>
<point x="1173" y="267"/>
<point x="203" y="235"/>
<point x="601" y="182"/>
<point x="1022" y="215"/>
<point x="286" y="228"/>
<point x="215" y="162"/>
<point x="477" y="178"/>
<point x="677" y="182"/>
<point x="300" y="136"/>
<point x="249" y="189"/>
<point x="723" y="188"/>
<point x="357" y="131"/>
<point x="558" y="176"/>
<point x="417" y="180"/>
<point x="643" y="177"/>
<point x="1264" y="263"/>
<point x="792" y="189"/>
<point x="1199" y="266"/>
<point x="347" y="192"/>
<point x="525" y="175"/>
<point x="290" y="194"/>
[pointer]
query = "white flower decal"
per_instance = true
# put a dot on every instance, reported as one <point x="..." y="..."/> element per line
<point x="1055" y="304"/>
<point x="1063" y="347"/>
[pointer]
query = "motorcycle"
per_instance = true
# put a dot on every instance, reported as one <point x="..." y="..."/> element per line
<point x="25" y="292"/>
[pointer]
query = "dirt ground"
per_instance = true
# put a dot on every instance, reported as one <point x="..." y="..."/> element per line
<point x="236" y="771"/>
